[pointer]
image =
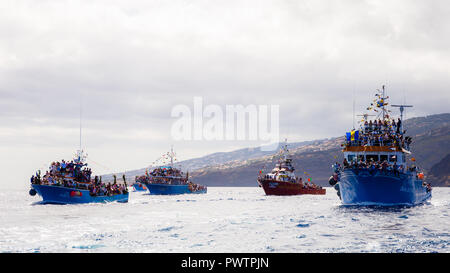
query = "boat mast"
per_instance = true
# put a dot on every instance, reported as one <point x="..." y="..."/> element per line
<point x="353" y="111"/>
<point x="382" y="106"/>
<point x="80" y="121"/>
<point x="80" y="155"/>
<point x="285" y="150"/>
<point x="171" y="156"/>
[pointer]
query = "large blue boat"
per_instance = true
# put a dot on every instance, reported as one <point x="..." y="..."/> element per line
<point x="70" y="183"/>
<point x="375" y="170"/>
<point x="168" y="180"/>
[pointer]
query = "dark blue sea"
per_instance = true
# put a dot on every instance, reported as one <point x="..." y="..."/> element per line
<point x="223" y="220"/>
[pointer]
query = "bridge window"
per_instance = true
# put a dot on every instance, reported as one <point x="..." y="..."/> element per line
<point x="392" y="158"/>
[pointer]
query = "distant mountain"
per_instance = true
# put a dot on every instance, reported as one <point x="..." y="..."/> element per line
<point x="215" y="159"/>
<point x="439" y="174"/>
<point x="225" y="157"/>
<point x="431" y="147"/>
<point x="421" y="125"/>
<point x="315" y="159"/>
<point x="431" y="144"/>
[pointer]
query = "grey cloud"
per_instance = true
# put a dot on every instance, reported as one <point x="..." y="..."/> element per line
<point x="134" y="61"/>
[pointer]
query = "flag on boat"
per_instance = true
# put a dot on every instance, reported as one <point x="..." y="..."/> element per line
<point x="354" y="135"/>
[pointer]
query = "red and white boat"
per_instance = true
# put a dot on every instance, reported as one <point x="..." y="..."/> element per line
<point x="283" y="181"/>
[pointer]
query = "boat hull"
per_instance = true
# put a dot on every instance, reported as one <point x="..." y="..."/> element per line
<point x="164" y="189"/>
<point x="137" y="187"/>
<point x="365" y="187"/>
<point x="272" y="187"/>
<point x="63" y="195"/>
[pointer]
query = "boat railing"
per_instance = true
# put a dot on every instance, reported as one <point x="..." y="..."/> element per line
<point x="379" y="167"/>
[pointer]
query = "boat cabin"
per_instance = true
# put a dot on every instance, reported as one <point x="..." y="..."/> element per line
<point x="376" y="154"/>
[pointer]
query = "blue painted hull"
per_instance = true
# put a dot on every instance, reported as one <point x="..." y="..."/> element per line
<point x="366" y="188"/>
<point x="62" y="195"/>
<point x="136" y="187"/>
<point x="164" y="189"/>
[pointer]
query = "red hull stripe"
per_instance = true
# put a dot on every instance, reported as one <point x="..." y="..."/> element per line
<point x="287" y="188"/>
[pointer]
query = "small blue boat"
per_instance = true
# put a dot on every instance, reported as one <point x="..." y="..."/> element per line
<point x="168" y="180"/>
<point x="375" y="170"/>
<point x="63" y="195"/>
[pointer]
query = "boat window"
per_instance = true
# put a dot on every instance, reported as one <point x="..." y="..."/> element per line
<point x="393" y="158"/>
<point x="383" y="158"/>
<point x="351" y="157"/>
<point x="372" y="157"/>
<point x="360" y="158"/>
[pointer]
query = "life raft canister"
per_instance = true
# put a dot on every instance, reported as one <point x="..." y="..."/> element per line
<point x="332" y="181"/>
<point x="75" y="193"/>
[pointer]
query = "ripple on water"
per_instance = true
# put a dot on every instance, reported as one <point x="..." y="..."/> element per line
<point x="166" y="229"/>
<point x="88" y="246"/>
<point x="270" y="249"/>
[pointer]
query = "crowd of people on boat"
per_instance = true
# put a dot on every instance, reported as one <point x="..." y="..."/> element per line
<point x="381" y="133"/>
<point x="70" y="174"/>
<point x="165" y="172"/>
<point x="73" y="175"/>
<point x="97" y="188"/>
<point x="195" y="187"/>
<point x="146" y="179"/>
<point x="383" y="166"/>
<point x="163" y="175"/>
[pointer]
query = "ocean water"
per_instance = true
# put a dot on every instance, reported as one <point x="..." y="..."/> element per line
<point x="223" y="220"/>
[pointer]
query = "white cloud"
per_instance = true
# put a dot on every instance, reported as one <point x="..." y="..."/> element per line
<point x="134" y="60"/>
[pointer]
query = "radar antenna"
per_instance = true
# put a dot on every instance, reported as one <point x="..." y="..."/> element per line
<point x="402" y="108"/>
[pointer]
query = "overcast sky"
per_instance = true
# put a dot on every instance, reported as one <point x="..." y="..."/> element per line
<point x="131" y="62"/>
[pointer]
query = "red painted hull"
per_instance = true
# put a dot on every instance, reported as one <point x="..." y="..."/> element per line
<point x="272" y="187"/>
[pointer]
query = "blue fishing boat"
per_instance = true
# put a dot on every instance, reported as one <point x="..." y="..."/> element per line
<point x="375" y="170"/>
<point x="70" y="183"/>
<point x="168" y="180"/>
<point x="165" y="189"/>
